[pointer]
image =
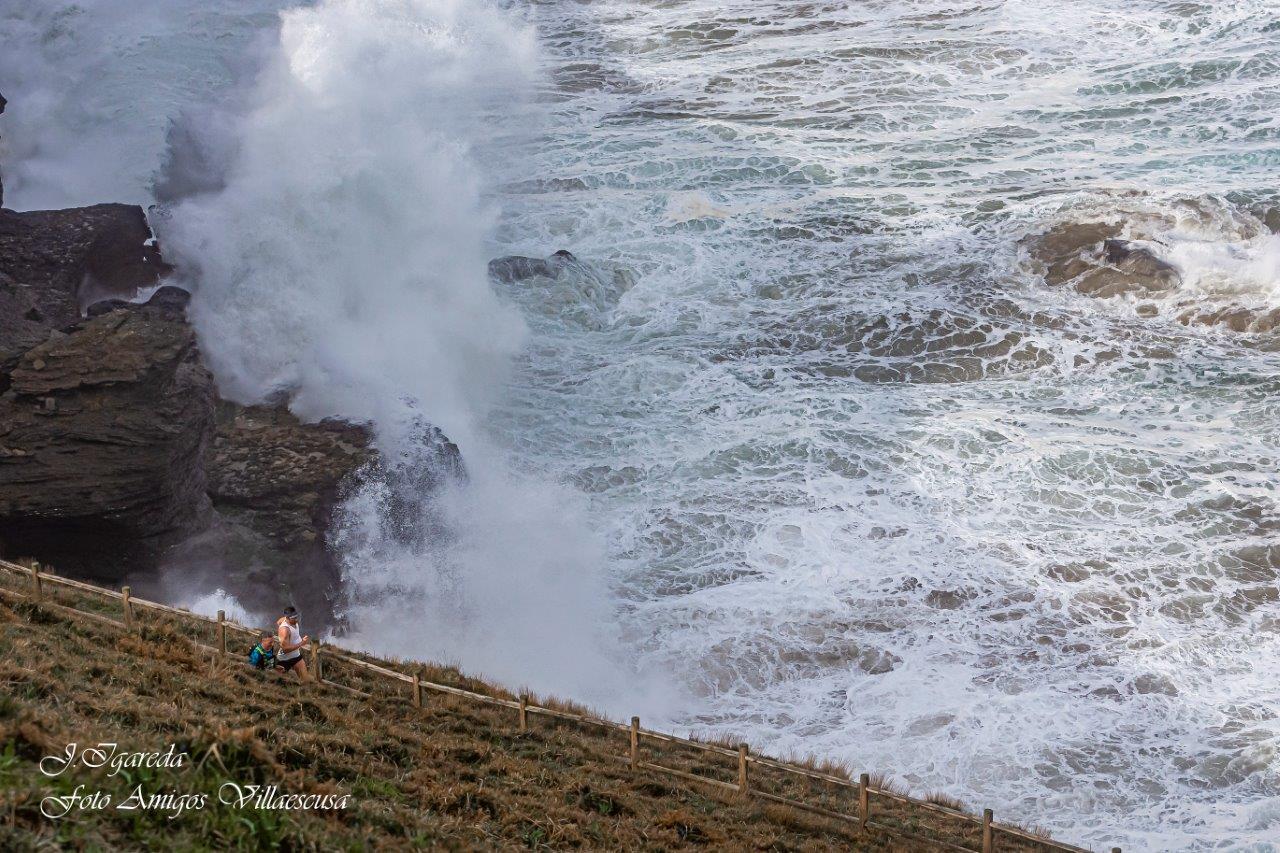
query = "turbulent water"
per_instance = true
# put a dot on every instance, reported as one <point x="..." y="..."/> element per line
<point x="807" y="432"/>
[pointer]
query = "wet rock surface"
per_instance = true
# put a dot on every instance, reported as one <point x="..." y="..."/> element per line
<point x="1130" y="255"/>
<point x="55" y="263"/>
<point x="1092" y="258"/>
<point x="920" y="347"/>
<point x="279" y="476"/>
<point x="513" y="268"/>
<point x="274" y="482"/>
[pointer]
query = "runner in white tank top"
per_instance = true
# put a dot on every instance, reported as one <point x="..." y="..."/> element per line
<point x="292" y="641"/>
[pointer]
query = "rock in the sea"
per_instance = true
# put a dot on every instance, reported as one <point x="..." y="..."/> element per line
<point x="875" y="661"/>
<point x="1091" y="257"/>
<point x="103" y="426"/>
<point x="1139" y="266"/>
<point x="55" y="263"/>
<point x="515" y="268"/>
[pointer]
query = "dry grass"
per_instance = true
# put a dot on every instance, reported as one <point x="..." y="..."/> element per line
<point x="886" y="782"/>
<point x="941" y="798"/>
<point x="455" y="773"/>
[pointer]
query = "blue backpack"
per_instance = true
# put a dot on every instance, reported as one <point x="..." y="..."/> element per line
<point x="260" y="658"/>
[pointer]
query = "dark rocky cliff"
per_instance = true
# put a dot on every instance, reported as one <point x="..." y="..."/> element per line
<point x="103" y="424"/>
<point x="116" y="455"/>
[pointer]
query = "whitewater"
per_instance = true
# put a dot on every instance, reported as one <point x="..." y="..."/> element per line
<point x="806" y="449"/>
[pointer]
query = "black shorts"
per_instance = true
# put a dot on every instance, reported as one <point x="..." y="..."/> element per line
<point x="289" y="664"/>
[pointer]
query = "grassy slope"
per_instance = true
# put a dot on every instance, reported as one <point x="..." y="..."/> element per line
<point x="454" y="774"/>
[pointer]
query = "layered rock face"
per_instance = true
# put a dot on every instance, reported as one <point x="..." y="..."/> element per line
<point x="103" y="419"/>
<point x="103" y="426"/>
<point x="117" y="458"/>
<point x="116" y="455"/>
<point x="274" y="483"/>
<point x="278" y="476"/>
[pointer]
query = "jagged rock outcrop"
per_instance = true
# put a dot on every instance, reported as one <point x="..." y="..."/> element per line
<point x="116" y="457"/>
<point x="513" y="268"/>
<point x="273" y="482"/>
<point x="1091" y="257"/>
<point x="279" y="476"/>
<point x="114" y="450"/>
<point x="103" y="427"/>
<point x="276" y="485"/>
<point x="55" y="263"/>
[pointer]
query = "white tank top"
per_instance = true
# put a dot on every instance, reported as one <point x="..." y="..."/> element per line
<point x="295" y="637"/>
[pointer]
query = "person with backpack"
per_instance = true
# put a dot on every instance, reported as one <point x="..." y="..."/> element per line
<point x="263" y="654"/>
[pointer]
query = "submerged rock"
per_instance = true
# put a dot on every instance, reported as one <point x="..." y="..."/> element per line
<point x="1235" y="318"/>
<point x="875" y="661"/>
<point x="933" y="346"/>
<point x="564" y="286"/>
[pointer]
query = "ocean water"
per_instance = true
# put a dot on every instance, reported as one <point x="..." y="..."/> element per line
<point x="807" y="449"/>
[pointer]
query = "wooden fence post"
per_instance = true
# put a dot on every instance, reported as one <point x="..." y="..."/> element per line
<point x="222" y="632"/>
<point x="417" y="690"/>
<point x="524" y="713"/>
<point x="635" y="741"/>
<point x="37" y="587"/>
<point x="864" y="798"/>
<point x="743" y="785"/>
<point x="315" y="660"/>
<point x="988" y="844"/>
<point x="128" y="608"/>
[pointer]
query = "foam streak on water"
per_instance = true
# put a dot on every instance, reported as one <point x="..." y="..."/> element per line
<point x="873" y="490"/>
<point x="868" y="487"/>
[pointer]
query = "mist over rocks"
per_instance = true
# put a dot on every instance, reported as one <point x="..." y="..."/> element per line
<point x="117" y="456"/>
<point x="274" y="483"/>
